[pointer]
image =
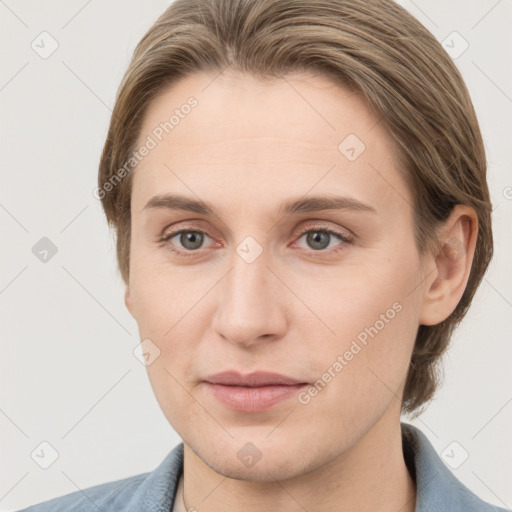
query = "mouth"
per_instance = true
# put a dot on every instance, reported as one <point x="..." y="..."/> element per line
<point x="254" y="392"/>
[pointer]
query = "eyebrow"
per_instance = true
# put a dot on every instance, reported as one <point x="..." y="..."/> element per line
<point x="290" y="207"/>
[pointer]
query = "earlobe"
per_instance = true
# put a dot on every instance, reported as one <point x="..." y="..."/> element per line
<point x="451" y="266"/>
<point x="127" y="299"/>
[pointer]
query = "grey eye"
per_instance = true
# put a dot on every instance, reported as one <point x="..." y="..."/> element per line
<point x="191" y="240"/>
<point x="318" y="239"/>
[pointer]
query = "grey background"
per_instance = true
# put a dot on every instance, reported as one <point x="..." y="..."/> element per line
<point x="68" y="373"/>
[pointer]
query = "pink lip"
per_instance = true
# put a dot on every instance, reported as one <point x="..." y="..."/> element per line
<point x="255" y="379"/>
<point x="254" y="392"/>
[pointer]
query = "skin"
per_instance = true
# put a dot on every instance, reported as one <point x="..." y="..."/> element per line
<point x="247" y="147"/>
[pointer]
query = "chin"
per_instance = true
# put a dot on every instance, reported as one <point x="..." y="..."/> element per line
<point x="261" y="460"/>
<point x="275" y="467"/>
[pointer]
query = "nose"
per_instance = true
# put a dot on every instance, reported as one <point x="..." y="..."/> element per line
<point x="251" y="304"/>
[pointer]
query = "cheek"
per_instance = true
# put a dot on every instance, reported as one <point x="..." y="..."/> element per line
<point x="170" y="310"/>
<point x="168" y="314"/>
<point x="373" y="314"/>
<point x="163" y="296"/>
<point x="362" y="370"/>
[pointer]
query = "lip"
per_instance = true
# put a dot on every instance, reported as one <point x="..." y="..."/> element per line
<point x="254" y="392"/>
<point x="255" y="379"/>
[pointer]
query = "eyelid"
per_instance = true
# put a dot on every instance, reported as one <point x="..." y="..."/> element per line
<point x="190" y="225"/>
<point x="346" y="234"/>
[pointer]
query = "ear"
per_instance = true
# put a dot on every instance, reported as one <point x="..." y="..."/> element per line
<point x="448" y="270"/>
<point x="128" y="299"/>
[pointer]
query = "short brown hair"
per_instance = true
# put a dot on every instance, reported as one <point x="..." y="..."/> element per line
<point x="373" y="47"/>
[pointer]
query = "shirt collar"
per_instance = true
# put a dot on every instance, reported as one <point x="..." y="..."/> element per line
<point x="437" y="488"/>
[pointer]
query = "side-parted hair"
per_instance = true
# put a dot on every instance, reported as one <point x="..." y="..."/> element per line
<point x="373" y="47"/>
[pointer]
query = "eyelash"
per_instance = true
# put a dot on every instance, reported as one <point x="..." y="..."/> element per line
<point x="323" y="229"/>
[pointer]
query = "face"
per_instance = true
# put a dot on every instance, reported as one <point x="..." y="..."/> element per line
<point x="265" y="276"/>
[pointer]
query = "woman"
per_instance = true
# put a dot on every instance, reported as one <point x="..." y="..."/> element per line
<point x="299" y="195"/>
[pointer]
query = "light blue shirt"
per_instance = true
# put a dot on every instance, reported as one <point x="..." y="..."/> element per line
<point x="437" y="488"/>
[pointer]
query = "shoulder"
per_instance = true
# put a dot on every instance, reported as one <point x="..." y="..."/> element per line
<point x="106" y="497"/>
<point x="437" y="488"/>
<point x="154" y="490"/>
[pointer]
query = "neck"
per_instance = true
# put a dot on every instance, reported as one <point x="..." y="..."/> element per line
<point x="371" y="475"/>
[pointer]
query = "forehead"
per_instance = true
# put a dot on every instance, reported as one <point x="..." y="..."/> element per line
<point x="265" y="137"/>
